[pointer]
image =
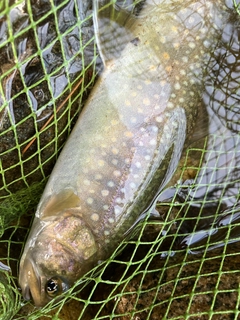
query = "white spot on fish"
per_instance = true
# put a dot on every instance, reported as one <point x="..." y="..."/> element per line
<point x="105" y="193"/>
<point x="86" y="182"/>
<point x="159" y="119"/>
<point x="138" y="164"/>
<point x="100" y="163"/>
<point x="89" y="200"/>
<point x="170" y="105"/>
<point x="153" y="142"/>
<point x="110" y="184"/>
<point x="192" y="45"/>
<point x="177" y="86"/>
<point x="146" y="102"/>
<point x="115" y="150"/>
<point x="111" y="220"/>
<point x="95" y="217"/>
<point x="115" y="162"/>
<point x="132" y="185"/>
<point x="118" y="200"/>
<point x="116" y="173"/>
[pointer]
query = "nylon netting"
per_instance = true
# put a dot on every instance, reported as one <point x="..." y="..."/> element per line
<point x="183" y="265"/>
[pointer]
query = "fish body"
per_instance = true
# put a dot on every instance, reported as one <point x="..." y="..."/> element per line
<point x="125" y="146"/>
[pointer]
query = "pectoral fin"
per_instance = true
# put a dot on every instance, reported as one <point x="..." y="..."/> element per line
<point x="56" y="203"/>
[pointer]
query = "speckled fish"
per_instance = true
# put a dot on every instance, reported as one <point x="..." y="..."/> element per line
<point x="127" y="141"/>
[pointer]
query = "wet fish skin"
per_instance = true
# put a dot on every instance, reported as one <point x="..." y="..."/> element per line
<point x="125" y="146"/>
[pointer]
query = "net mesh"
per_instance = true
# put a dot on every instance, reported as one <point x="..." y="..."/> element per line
<point x="185" y="264"/>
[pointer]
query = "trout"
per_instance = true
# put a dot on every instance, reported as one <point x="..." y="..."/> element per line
<point x="127" y="141"/>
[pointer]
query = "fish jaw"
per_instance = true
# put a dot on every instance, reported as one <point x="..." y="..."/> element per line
<point x="31" y="283"/>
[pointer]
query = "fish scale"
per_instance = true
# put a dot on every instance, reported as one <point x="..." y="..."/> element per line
<point x="125" y="146"/>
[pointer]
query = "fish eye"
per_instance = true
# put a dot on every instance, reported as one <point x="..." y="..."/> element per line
<point x="54" y="287"/>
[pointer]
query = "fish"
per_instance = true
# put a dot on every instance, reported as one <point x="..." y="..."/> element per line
<point x="127" y="141"/>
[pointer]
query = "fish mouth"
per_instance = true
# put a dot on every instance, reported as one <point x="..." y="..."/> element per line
<point x="31" y="283"/>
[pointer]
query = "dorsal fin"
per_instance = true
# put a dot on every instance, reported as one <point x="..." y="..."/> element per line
<point x="110" y="28"/>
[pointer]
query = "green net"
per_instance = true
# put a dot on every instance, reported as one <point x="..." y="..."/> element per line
<point x="182" y="265"/>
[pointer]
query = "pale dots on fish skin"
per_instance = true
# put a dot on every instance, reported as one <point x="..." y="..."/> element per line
<point x="118" y="200"/>
<point x="91" y="191"/>
<point x="86" y="182"/>
<point x="170" y="105"/>
<point x="174" y="29"/>
<point x="133" y="120"/>
<point x="105" y="207"/>
<point x="89" y="200"/>
<point x="146" y="102"/>
<point x="168" y="68"/>
<point x="148" y="81"/>
<point x="127" y="103"/>
<point x="111" y="220"/>
<point x="177" y="86"/>
<point x="95" y="217"/>
<point x="181" y="100"/>
<point x="182" y="72"/>
<point x="185" y="59"/>
<point x="85" y="170"/>
<point x="134" y="94"/>
<point x="100" y="163"/>
<point x="115" y="150"/>
<point x="207" y="44"/>
<point x="138" y="164"/>
<point x="116" y="173"/>
<point x="153" y="68"/>
<point x="127" y="160"/>
<point x="110" y="184"/>
<point x="192" y="45"/>
<point x="162" y="39"/>
<point x="115" y="162"/>
<point x="159" y="119"/>
<point x="153" y="142"/>
<point x="128" y="134"/>
<point x="98" y="176"/>
<point x="147" y="157"/>
<point x="132" y="185"/>
<point x="106" y="232"/>
<point x="166" y="56"/>
<point x="114" y="122"/>
<point x="113" y="139"/>
<point x="117" y="210"/>
<point x="105" y="193"/>
<point x="139" y="87"/>
<point x="176" y="45"/>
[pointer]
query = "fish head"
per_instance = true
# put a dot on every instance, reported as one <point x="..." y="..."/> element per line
<point x="58" y="252"/>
